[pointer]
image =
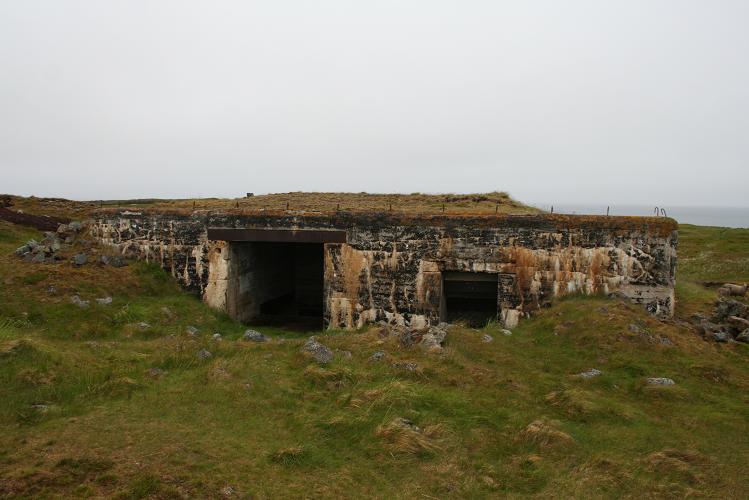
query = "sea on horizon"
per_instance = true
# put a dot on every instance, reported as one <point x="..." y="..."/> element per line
<point x="734" y="217"/>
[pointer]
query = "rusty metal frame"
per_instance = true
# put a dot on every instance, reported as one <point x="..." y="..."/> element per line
<point x="277" y="235"/>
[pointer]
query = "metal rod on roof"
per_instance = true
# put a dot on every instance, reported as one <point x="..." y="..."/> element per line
<point x="607" y="211"/>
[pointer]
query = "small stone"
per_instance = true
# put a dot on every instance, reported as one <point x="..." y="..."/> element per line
<point x="216" y="337"/>
<point x="660" y="381"/>
<point x="506" y="332"/>
<point x="204" y="354"/>
<point x="168" y="313"/>
<point x="41" y="408"/>
<point x="117" y="261"/>
<point x="254" y="336"/>
<point x="105" y="301"/>
<point x="155" y="372"/>
<point x="743" y="336"/>
<point x="76" y="299"/>
<point x="75" y="226"/>
<point x="23" y="250"/>
<point x="80" y="259"/>
<point x="593" y="372"/>
<point x="404" y="423"/>
<point x="378" y="356"/>
<point x="319" y="352"/>
<point x="228" y="491"/>
<point x="191" y="331"/>
<point x="39" y="259"/>
<point x="143" y="325"/>
<point x="720" y="336"/>
<point x="486" y="338"/>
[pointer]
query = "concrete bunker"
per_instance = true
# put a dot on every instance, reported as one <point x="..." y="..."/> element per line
<point x="346" y="269"/>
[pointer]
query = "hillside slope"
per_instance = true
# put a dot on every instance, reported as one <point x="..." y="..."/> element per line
<point x="121" y="400"/>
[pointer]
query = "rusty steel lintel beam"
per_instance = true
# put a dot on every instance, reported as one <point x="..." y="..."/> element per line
<point x="277" y="235"/>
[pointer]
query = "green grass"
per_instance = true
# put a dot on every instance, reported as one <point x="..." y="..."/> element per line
<point x="709" y="254"/>
<point x="265" y="421"/>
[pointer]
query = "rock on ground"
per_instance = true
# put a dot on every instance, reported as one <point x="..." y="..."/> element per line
<point x="76" y="299"/>
<point x="660" y="381"/>
<point x="486" y="338"/>
<point x="726" y="308"/>
<point x="721" y="336"/>
<point x="407" y="366"/>
<point x="319" y="352"/>
<point x="435" y="336"/>
<point x="80" y="259"/>
<point x="743" y="336"/>
<point x="593" y="372"/>
<point x="104" y="301"/>
<point x="204" y="354"/>
<point x="254" y="336"/>
<point x="378" y="356"/>
<point x="155" y="372"/>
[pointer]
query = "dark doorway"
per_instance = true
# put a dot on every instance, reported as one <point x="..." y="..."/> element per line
<point x="470" y="297"/>
<point x="281" y="284"/>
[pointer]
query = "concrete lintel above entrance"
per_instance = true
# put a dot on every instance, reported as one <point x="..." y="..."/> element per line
<point x="277" y="235"/>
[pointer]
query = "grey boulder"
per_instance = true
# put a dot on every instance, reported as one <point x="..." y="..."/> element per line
<point x="254" y="336"/>
<point x="378" y="356"/>
<point x="80" y="259"/>
<point x="317" y="351"/>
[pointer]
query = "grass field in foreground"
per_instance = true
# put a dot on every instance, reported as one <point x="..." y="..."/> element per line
<point x="83" y="413"/>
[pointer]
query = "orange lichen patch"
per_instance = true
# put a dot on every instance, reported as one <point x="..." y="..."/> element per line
<point x="446" y="247"/>
<point x="428" y="285"/>
<point x="352" y="263"/>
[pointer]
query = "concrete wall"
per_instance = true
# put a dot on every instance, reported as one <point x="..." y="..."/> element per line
<point x="391" y="266"/>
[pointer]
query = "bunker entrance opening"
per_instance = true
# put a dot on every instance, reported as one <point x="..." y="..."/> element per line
<point x="470" y="297"/>
<point x="280" y="284"/>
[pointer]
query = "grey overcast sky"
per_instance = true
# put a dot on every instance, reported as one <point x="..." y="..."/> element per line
<point x="636" y="101"/>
